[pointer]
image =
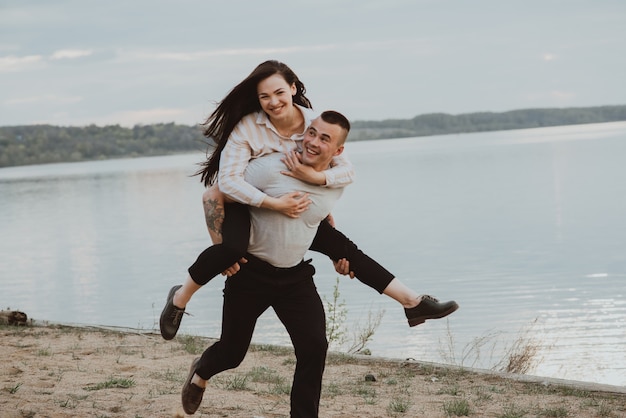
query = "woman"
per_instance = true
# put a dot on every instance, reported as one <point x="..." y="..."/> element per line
<point x="269" y="112"/>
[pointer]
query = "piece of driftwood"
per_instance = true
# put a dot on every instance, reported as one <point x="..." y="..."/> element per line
<point x="13" y="318"/>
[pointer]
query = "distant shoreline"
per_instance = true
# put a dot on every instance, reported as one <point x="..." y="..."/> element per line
<point x="41" y="144"/>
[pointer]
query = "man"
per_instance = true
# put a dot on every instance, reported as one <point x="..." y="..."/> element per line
<point x="276" y="275"/>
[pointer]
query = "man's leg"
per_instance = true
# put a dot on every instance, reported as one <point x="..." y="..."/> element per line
<point x="243" y="304"/>
<point x="302" y="312"/>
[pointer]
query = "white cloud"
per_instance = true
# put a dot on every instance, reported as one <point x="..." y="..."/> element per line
<point x="548" y="57"/>
<point x="551" y="98"/>
<point x="48" y="99"/>
<point x="201" y="55"/>
<point x="13" y="63"/>
<point x="141" y="117"/>
<point x="70" y="54"/>
<point x="561" y="95"/>
<point x="415" y="44"/>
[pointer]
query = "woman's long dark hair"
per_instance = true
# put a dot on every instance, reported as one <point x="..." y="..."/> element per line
<point x="241" y="101"/>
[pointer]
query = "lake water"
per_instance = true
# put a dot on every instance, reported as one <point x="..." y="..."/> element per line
<point x="525" y="229"/>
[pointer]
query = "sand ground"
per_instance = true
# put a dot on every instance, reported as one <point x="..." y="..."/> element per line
<point x="65" y="371"/>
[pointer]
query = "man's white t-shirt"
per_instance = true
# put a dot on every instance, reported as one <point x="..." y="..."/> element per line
<point x="276" y="238"/>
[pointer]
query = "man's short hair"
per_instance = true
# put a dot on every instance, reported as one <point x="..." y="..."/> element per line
<point x="336" y="118"/>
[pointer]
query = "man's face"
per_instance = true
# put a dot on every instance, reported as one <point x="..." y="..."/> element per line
<point x="321" y="143"/>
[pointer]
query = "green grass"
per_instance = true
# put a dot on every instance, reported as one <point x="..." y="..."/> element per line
<point x="513" y="411"/>
<point x="398" y="405"/>
<point x="264" y="375"/>
<point x="457" y="408"/>
<point x="114" y="382"/>
<point x="280" y="388"/>
<point x="191" y="344"/>
<point x="332" y="390"/>
<point x="44" y="352"/>
<point x="169" y="375"/>
<point x="236" y="383"/>
<point x="604" y="409"/>
<point x="450" y="390"/>
<point x="13" y="389"/>
<point x="557" y="412"/>
<point x="365" y="390"/>
<point x="273" y="349"/>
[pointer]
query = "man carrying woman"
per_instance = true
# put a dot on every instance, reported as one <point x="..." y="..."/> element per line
<point x="266" y="113"/>
<point x="276" y="274"/>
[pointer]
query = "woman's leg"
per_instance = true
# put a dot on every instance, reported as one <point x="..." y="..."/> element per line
<point x="399" y="292"/>
<point x="211" y="262"/>
<point x="233" y="220"/>
<point x="337" y="246"/>
<point x="213" y="205"/>
<point x="217" y="258"/>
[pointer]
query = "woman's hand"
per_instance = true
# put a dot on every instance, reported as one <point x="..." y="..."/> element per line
<point x="300" y="171"/>
<point x="290" y="204"/>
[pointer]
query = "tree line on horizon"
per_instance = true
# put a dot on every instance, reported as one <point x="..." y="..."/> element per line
<point x="40" y="144"/>
<point x="443" y="123"/>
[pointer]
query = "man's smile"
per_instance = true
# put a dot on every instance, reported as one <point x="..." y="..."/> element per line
<point x="311" y="151"/>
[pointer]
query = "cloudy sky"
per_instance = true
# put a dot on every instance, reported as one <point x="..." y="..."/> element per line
<point x="77" y="62"/>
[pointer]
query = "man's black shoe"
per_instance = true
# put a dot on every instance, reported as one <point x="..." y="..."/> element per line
<point x="192" y="394"/>
<point x="171" y="316"/>
<point x="429" y="308"/>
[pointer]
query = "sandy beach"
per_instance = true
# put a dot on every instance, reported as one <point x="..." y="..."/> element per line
<point x="79" y="371"/>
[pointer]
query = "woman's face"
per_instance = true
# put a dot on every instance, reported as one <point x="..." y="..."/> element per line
<point x="275" y="96"/>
